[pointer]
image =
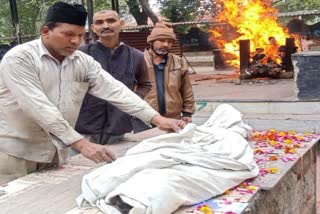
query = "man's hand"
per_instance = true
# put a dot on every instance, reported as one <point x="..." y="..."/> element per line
<point x="168" y="123"/>
<point x="187" y="119"/>
<point x="95" y="152"/>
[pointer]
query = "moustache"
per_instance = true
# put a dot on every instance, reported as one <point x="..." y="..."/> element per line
<point x="161" y="51"/>
<point x="106" y="30"/>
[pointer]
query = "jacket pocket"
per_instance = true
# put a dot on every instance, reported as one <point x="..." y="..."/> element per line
<point x="174" y="80"/>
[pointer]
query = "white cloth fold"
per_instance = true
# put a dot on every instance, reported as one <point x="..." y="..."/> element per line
<point x="163" y="173"/>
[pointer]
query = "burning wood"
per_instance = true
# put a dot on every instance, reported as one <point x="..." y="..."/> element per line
<point x="259" y="69"/>
<point x="271" y="63"/>
<point x="256" y="21"/>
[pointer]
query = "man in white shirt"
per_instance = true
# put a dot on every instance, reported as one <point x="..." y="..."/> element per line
<point x="42" y="85"/>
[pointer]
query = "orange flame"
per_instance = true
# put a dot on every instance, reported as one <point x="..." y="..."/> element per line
<point x="254" y="20"/>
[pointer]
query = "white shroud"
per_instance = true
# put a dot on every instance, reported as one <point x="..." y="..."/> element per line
<point x="163" y="173"/>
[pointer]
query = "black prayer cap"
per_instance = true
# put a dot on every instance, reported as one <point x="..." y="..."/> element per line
<point x="67" y="13"/>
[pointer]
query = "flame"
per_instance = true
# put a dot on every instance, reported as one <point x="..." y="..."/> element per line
<point x="253" y="20"/>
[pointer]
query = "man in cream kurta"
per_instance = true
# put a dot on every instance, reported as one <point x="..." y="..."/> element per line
<point x="42" y="85"/>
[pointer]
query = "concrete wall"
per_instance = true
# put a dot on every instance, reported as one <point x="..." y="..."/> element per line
<point x="307" y="75"/>
<point x="295" y="194"/>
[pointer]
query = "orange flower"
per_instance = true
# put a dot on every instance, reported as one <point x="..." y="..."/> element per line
<point x="290" y="150"/>
<point x="258" y="151"/>
<point x="271" y="136"/>
<point x="228" y="192"/>
<point x="273" y="158"/>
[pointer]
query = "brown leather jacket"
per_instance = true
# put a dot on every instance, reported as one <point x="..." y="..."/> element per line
<point x="178" y="89"/>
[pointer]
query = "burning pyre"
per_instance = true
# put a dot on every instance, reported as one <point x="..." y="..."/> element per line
<point x="253" y="20"/>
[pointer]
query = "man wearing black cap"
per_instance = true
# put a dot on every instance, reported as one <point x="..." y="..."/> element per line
<point x="42" y="85"/>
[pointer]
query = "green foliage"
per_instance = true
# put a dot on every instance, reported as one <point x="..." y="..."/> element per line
<point x="299" y="5"/>
<point x="6" y="27"/>
<point x="101" y="5"/>
<point x="179" y="10"/>
<point x="31" y="14"/>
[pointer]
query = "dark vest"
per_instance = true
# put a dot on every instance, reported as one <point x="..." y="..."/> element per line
<point x="96" y="115"/>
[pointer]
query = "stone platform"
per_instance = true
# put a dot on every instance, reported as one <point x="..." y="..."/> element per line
<point x="291" y="188"/>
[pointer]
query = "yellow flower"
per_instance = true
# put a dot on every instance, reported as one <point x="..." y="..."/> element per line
<point x="292" y="132"/>
<point x="206" y="210"/>
<point x="251" y="187"/>
<point x="272" y="130"/>
<point x="273" y="170"/>
<point x="272" y="142"/>
<point x="288" y="141"/>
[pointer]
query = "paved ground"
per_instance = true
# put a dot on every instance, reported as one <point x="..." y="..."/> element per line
<point x="225" y="85"/>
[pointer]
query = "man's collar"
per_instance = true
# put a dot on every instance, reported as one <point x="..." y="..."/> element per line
<point x="152" y="53"/>
<point x="119" y="45"/>
<point x="44" y="51"/>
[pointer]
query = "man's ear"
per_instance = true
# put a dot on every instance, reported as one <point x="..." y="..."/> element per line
<point x="44" y="31"/>
<point x="122" y="23"/>
<point x="92" y="28"/>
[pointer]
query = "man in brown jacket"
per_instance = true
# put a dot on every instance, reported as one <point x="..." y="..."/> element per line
<point x="171" y="93"/>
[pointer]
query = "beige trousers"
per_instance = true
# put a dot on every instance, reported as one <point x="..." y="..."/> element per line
<point x="12" y="167"/>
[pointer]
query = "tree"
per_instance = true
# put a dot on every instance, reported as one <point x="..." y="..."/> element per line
<point x="141" y="11"/>
<point x="137" y="12"/>
<point x="178" y="10"/>
<point x="100" y="5"/>
<point x="186" y="10"/>
<point x="147" y="9"/>
<point x="298" y="5"/>
<point x="30" y="16"/>
<point x="6" y="27"/>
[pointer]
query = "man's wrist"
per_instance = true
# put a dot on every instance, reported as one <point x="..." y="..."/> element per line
<point x="156" y="120"/>
<point x="78" y="145"/>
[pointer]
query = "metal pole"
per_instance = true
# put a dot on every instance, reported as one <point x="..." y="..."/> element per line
<point x="290" y="49"/>
<point x="244" y="56"/>
<point x="15" y="20"/>
<point x="115" y="5"/>
<point x="90" y="19"/>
